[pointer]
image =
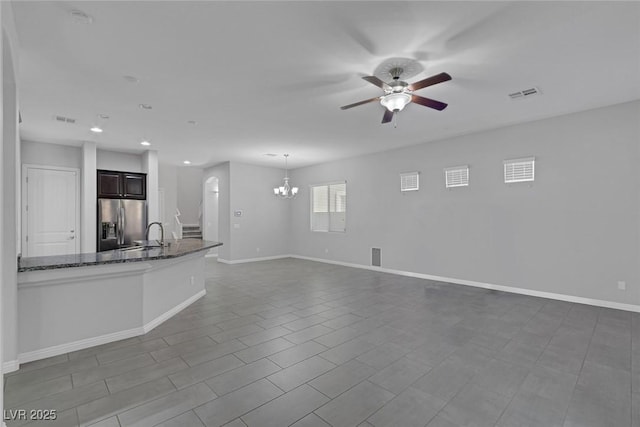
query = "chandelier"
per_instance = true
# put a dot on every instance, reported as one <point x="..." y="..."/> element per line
<point x="286" y="191"/>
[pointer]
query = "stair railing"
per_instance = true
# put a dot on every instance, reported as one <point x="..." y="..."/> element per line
<point x="178" y="223"/>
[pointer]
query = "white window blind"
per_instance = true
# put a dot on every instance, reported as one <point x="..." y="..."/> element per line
<point x="410" y="181"/>
<point x="329" y="207"/>
<point x="457" y="176"/>
<point x="519" y="170"/>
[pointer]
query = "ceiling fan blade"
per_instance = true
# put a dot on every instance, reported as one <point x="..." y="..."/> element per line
<point x="345" y="107"/>
<point x="430" y="81"/>
<point x="376" y="81"/>
<point x="388" y="115"/>
<point x="431" y="103"/>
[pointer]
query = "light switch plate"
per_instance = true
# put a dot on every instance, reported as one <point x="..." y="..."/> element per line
<point x="237" y="213"/>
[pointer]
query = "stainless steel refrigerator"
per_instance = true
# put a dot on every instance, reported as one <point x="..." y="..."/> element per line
<point x="120" y="222"/>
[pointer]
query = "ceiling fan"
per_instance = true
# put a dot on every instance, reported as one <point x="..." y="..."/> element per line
<point x="398" y="93"/>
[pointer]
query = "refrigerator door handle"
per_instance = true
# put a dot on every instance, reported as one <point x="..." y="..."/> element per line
<point x="124" y="224"/>
<point x="119" y="225"/>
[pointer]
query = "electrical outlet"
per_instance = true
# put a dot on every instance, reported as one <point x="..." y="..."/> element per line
<point x="622" y="285"/>
<point x="236" y="225"/>
<point x="257" y="249"/>
<point x="193" y="280"/>
<point x="326" y="251"/>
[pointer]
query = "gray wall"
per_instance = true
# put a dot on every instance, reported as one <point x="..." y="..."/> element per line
<point x="10" y="157"/>
<point x="574" y="231"/>
<point x="2" y="205"/>
<point x="189" y="193"/>
<point x="118" y="161"/>
<point x="168" y="181"/>
<point x="222" y="172"/>
<point x="38" y="153"/>
<point x="263" y="229"/>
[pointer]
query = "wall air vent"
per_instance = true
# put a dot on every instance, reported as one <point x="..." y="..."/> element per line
<point x="457" y="176"/>
<point x="410" y="181"/>
<point x="519" y="170"/>
<point x="527" y="93"/>
<point x="63" y="119"/>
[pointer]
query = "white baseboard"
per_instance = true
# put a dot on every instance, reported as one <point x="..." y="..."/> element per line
<point x="514" y="290"/>
<point x="56" y="350"/>
<point x="211" y="256"/>
<point x="172" y="312"/>
<point x="10" y="366"/>
<point x="242" y="261"/>
<point x="102" y="339"/>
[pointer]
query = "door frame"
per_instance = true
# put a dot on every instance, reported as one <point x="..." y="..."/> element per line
<point x="25" y="198"/>
<point x="213" y="252"/>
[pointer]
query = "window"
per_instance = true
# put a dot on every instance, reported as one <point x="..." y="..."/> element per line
<point x="329" y="207"/>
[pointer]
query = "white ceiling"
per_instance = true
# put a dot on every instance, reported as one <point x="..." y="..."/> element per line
<point x="269" y="77"/>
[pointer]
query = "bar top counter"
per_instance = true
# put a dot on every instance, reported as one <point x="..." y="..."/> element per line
<point x="172" y="249"/>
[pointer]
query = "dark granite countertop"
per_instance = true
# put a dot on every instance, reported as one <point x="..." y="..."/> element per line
<point x="175" y="248"/>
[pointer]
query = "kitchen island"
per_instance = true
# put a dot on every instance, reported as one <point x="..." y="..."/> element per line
<point x="71" y="302"/>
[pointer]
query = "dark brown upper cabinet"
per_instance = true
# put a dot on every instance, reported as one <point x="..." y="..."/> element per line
<point x="122" y="185"/>
<point x="134" y="185"/>
<point x="109" y="184"/>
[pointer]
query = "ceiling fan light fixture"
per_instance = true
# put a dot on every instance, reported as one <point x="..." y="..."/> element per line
<point x="395" y="101"/>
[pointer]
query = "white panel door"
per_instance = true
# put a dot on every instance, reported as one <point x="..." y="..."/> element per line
<point x="52" y="212"/>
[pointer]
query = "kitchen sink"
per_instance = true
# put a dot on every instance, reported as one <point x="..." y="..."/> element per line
<point x="138" y="248"/>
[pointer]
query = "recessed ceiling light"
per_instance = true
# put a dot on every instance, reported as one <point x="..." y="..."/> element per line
<point x="80" y="17"/>
<point x="145" y="142"/>
<point x="96" y="129"/>
<point x="103" y="116"/>
<point x="192" y="122"/>
<point x="146" y="106"/>
<point x="131" y="79"/>
<point x="187" y="162"/>
<point x="270" y="155"/>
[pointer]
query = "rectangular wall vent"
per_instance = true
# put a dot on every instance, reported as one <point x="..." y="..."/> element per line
<point x="410" y="181"/>
<point x="519" y="170"/>
<point x="63" y="119"/>
<point x="457" y="176"/>
<point x="375" y="257"/>
<point x="521" y="94"/>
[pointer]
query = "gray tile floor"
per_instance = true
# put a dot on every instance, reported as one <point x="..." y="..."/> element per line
<point x="293" y="342"/>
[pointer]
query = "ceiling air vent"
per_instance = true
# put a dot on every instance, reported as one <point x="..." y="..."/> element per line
<point x="519" y="170"/>
<point x="525" y="93"/>
<point x="410" y="181"/>
<point x="63" y="119"/>
<point x="457" y="176"/>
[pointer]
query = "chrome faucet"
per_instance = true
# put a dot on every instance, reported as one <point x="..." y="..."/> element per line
<point x="161" y="232"/>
